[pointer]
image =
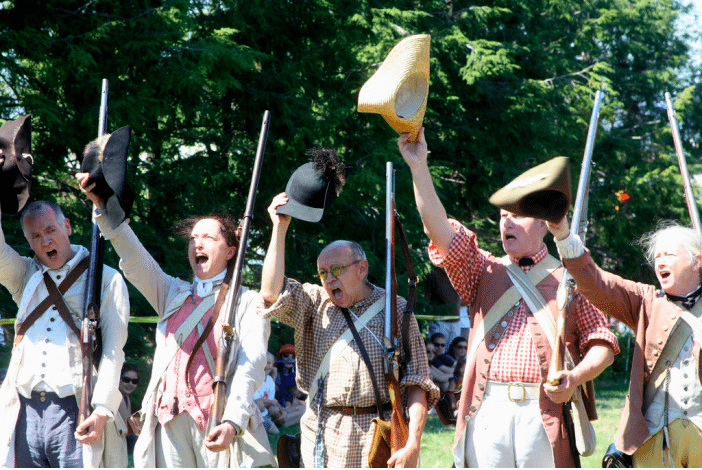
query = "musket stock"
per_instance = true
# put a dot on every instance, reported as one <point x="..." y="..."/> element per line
<point x="578" y="225"/>
<point x="219" y="384"/>
<point x="682" y="162"/>
<point x="93" y="288"/>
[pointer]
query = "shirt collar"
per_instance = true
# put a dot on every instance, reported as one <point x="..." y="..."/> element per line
<point x="80" y="253"/>
<point x="203" y="288"/>
<point x="541" y="254"/>
<point x="368" y="300"/>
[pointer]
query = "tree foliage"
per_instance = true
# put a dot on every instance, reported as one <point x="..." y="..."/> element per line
<point x="512" y="85"/>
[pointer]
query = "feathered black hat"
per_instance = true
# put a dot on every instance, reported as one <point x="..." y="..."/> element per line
<point x="313" y="186"/>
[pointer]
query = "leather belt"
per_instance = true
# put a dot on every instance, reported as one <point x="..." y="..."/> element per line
<point x="514" y="392"/>
<point x="360" y="410"/>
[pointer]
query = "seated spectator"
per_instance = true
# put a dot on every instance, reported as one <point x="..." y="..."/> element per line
<point x="264" y="398"/>
<point x="430" y="349"/>
<point x="128" y="383"/>
<point x="442" y="370"/>
<point x="456" y="382"/>
<point x="439" y="342"/>
<point x="458" y="348"/>
<point x="289" y="396"/>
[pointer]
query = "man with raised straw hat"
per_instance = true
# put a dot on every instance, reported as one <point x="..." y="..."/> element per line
<point x="508" y="415"/>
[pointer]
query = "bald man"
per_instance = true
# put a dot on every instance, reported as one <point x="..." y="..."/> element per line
<point x="337" y="425"/>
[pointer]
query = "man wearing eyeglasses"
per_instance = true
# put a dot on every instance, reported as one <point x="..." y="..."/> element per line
<point x="337" y="426"/>
<point x="508" y="414"/>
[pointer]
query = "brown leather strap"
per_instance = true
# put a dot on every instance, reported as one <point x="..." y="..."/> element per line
<point x="406" y="353"/>
<point x="360" y="410"/>
<point x="211" y="322"/>
<point x="55" y="298"/>
<point x="366" y="359"/>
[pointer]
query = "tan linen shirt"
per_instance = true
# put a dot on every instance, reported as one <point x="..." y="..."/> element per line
<point x="318" y="323"/>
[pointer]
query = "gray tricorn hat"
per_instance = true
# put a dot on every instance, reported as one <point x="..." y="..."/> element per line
<point x="106" y="160"/>
<point x="16" y="174"/>
<point x="314" y="186"/>
<point x="542" y="192"/>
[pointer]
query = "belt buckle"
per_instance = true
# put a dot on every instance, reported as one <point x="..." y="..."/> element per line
<point x="516" y="385"/>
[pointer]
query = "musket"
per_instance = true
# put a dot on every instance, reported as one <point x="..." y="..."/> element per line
<point x="682" y="162"/>
<point x="219" y="384"/>
<point x="578" y="225"/>
<point x="399" y="428"/>
<point x="93" y="288"/>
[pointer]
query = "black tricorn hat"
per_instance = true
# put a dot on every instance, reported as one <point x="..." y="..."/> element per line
<point x="106" y="160"/>
<point x="16" y="174"/>
<point x="314" y="186"/>
<point x="543" y="192"/>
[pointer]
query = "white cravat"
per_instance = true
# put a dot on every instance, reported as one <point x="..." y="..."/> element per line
<point x="202" y="288"/>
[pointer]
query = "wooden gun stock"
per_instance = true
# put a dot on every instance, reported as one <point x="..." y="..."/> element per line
<point x="558" y="355"/>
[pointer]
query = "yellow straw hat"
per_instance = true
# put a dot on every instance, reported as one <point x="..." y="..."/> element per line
<point x="399" y="89"/>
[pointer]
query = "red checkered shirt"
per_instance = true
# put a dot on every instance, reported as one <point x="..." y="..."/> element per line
<point x="514" y="359"/>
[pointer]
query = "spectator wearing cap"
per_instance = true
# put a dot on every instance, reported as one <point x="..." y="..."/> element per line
<point x="286" y="385"/>
<point x="287" y="393"/>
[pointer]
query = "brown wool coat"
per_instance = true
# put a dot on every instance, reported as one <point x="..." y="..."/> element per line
<point x="651" y="315"/>
<point x="494" y="281"/>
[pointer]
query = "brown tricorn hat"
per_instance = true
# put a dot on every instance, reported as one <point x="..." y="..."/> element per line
<point x="542" y="192"/>
<point x="16" y="174"/>
<point x="106" y="160"/>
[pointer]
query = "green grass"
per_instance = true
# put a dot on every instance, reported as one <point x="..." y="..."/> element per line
<point x="437" y="440"/>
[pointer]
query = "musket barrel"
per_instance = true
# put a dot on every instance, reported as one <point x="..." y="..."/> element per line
<point x="102" y="122"/>
<point x="93" y="290"/>
<point x="577" y="225"/>
<point x="682" y="162"/>
<point x="232" y="304"/>
<point x="389" y="233"/>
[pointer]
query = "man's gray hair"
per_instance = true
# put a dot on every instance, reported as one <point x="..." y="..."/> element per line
<point x="39" y="206"/>
<point x="667" y="230"/>
<point x="358" y="252"/>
